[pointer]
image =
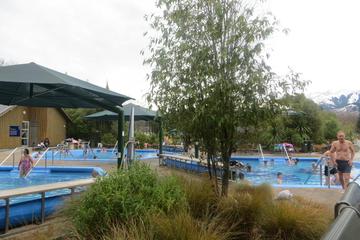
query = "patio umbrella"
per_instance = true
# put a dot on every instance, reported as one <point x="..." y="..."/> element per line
<point x="140" y="113"/>
<point x="34" y="85"/>
<point x="37" y="86"/>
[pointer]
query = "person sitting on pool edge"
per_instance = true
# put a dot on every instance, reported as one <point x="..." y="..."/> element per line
<point x="25" y="164"/>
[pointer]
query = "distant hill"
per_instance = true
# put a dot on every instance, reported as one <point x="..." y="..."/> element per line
<point x="342" y="101"/>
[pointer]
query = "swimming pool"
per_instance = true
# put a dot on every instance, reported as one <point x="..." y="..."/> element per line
<point x="261" y="172"/>
<point x="93" y="154"/>
<point x="26" y="208"/>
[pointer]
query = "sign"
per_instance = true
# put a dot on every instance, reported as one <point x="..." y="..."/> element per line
<point x="14" y="131"/>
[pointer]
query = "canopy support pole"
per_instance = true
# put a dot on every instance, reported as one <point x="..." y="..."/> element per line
<point x="120" y="138"/>
<point x="160" y="136"/>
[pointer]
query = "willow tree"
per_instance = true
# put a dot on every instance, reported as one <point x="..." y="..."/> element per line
<point x="208" y="71"/>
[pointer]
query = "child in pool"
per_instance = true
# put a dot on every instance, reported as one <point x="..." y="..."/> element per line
<point x="279" y="177"/>
<point x="26" y="163"/>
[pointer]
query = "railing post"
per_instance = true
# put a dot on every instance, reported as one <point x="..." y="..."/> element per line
<point x="7" y="214"/>
<point x="52" y="156"/>
<point x="13" y="160"/>
<point x="45" y="160"/>
<point x="42" y="207"/>
<point x="321" y="175"/>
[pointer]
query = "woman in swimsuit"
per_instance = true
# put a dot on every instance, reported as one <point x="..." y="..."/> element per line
<point x="25" y="164"/>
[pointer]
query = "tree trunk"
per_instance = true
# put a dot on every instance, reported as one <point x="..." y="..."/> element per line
<point x="225" y="176"/>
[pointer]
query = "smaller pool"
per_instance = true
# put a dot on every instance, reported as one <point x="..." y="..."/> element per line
<point x="94" y="154"/>
<point x="26" y="208"/>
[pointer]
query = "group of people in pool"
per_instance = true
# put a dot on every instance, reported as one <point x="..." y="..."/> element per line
<point x="338" y="162"/>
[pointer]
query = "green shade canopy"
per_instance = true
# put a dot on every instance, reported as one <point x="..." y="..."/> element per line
<point x="140" y="113"/>
<point x="34" y="85"/>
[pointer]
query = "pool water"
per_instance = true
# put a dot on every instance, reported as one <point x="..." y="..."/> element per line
<point x="299" y="175"/>
<point x="9" y="179"/>
<point x="266" y="171"/>
<point x="94" y="154"/>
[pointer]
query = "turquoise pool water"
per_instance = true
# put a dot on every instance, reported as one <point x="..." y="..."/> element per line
<point x="94" y="154"/>
<point x="9" y="179"/>
<point x="26" y="208"/>
<point x="293" y="175"/>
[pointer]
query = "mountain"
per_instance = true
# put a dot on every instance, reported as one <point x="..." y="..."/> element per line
<point x="342" y="101"/>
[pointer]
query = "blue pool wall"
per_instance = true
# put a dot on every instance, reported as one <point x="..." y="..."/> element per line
<point x="108" y="155"/>
<point x="30" y="211"/>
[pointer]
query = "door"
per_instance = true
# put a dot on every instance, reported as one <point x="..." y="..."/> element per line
<point x="25" y="133"/>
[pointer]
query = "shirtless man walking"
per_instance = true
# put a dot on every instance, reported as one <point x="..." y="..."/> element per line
<point x="345" y="153"/>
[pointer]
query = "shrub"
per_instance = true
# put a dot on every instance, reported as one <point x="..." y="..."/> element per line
<point x="200" y="196"/>
<point x="108" y="139"/>
<point x="296" y="219"/>
<point x="180" y="225"/>
<point x="122" y="196"/>
<point x="245" y="210"/>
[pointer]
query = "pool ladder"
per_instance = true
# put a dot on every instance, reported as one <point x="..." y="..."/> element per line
<point x="321" y="172"/>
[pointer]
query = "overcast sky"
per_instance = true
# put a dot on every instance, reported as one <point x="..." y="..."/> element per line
<point x="101" y="41"/>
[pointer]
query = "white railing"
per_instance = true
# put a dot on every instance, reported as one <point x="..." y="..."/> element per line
<point x="41" y="156"/>
<point x="114" y="147"/>
<point x="286" y="152"/>
<point x="40" y="189"/>
<point x="8" y="156"/>
<point x="261" y="152"/>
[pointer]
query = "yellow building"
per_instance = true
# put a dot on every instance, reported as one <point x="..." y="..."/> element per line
<point x="28" y="126"/>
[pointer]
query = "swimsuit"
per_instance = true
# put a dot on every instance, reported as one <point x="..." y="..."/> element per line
<point x="25" y="166"/>
<point x="343" y="166"/>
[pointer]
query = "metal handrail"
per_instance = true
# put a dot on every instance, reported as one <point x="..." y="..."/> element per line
<point x="286" y="152"/>
<point x="41" y="189"/>
<point x="356" y="178"/>
<point x="8" y="156"/>
<point x="311" y="174"/>
<point x="261" y="152"/>
<point x="42" y="155"/>
<point x="114" y="147"/>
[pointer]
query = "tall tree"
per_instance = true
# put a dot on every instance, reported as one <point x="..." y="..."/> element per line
<point x="209" y="72"/>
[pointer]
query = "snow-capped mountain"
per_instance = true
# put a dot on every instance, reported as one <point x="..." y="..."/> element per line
<point x="341" y="101"/>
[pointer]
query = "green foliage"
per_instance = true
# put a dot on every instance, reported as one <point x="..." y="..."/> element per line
<point x="80" y="128"/>
<point x="139" y="205"/>
<point x="149" y="138"/>
<point x="108" y="139"/>
<point x="358" y="125"/>
<point x="124" y="195"/>
<point x="201" y="198"/>
<point x="331" y="127"/>
<point x="298" y="219"/>
<point x="209" y="74"/>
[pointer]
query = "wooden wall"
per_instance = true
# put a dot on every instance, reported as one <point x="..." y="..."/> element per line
<point x="12" y="118"/>
<point x="38" y="119"/>
<point x="56" y="126"/>
<point x="48" y="122"/>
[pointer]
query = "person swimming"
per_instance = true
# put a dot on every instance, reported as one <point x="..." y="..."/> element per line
<point x="279" y="177"/>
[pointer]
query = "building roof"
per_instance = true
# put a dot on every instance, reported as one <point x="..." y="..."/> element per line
<point x="4" y="109"/>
